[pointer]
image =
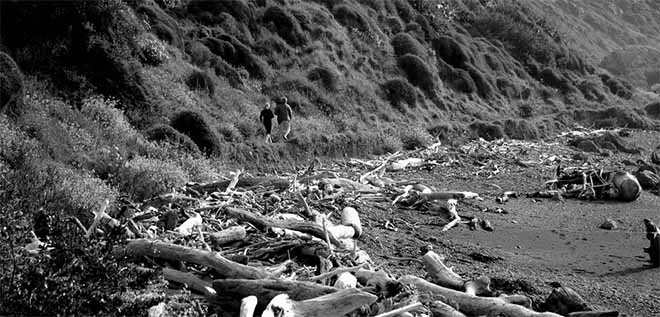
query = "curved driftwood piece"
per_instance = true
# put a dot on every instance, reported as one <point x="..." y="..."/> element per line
<point x="440" y="274"/>
<point x="331" y="305"/>
<point x="275" y="182"/>
<point x="138" y="248"/>
<point x="190" y="280"/>
<point x="229" y="235"/>
<point x="472" y="305"/>
<point x="231" y="291"/>
<point x="264" y="223"/>
<point x="440" y="309"/>
<point x="248" y="306"/>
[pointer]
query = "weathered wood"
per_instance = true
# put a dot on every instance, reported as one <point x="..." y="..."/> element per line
<point x="611" y="313"/>
<point x="138" y="248"/>
<point x="564" y="300"/>
<point x="401" y="310"/>
<point x="473" y="305"/>
<point x="277" y="183"/>
<point x="345" y="280"/>
<point x="350" y="217"/>
<point x="231" y="291"/>
<point x="248" y="306"/>
<point x="440" y="274"/>
<point x="440" y="309"/>
<point x="331" y="305"/>
<point x="448" y="195"/>
<point x="229" y="235"/>
<point x="264" y="223"/>
<point x="190" y="280"/>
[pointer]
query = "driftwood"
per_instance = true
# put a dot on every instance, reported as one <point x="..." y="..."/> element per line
<point x="440" y="309"/>
<point x="229" y="235"/>
<point x="451" y="206"/>
<point x="231" y="291"/>
<point x="345" y="280"/>
<point x="611" y="313"/>
<point x="472" y="305"/>
<point x="401" y="311"/>
<point x="190" y="280"/>
<point x="188" y="226"/>
<point x="264" y="223"/>
<point x="653" y="234"/>
<point x="248" y="306"/>
<point x="349" y="185"/>
<point x="440" y="274"/>
<point x="277" y="183"/>
<point x="138" y="248"/>
<point x="564" y="300"/>
<point x="331" y="305"/>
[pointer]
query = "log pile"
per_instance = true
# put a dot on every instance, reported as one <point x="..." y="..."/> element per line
<point x="289" y="246"/>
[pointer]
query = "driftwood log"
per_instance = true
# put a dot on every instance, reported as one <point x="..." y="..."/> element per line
<point x="264" y="223"/>
<point x="331" y="305"/>
<point x="190" y="280"/>
<point x="564" y="300"/>
<point x="472" y="305"/>
<point x="230" y="292"/>
<point x="440" y="309"/>
<point x="229" y="235"/>
<point x="138" y="248"/>
<point x="440" y="274"/>
<point x="276" y="183"/>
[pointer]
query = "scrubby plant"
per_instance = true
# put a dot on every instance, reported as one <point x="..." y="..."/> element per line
<point x="285" y="24"/>
<point x="417" y="71"/>
<point x="163" y="133"/>
<point x="162" y="24"/>
<point x="487" y="131"/>
<point x="440" y="131"/>
<point x="351" y="16"/>
<point x="404" y="44"/>
<point x="224" y="70"/>
<point x="199" y="80"/>
<point x="451" y="51"/>
<point x="244" y="57"/>
<point x="653" y="110"/>
<point x="230" y="133"/>
<point x="617" y="86"/>
<point x="143" y="178"/>
<point x="414" y="138"/>
<point x="11" y="84"/>
<point x="391" y="143"/>
<point x="195" y="126"/>
<point x="199" y="53"/>
<point x="394" y="24"/>
<point x="327" y="77"/>
<point x="520" y="130"/>
<point x="398" y="90"/>
<point x="209" y="10"/>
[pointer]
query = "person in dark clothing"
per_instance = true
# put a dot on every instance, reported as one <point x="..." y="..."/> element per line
<point x="284" y="115"/>
<point x="266" y="117"/>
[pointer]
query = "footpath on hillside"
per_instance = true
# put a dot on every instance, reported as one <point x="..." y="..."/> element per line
<point x="505" y="227"/>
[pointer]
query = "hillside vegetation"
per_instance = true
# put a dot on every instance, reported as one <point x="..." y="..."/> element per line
<point x="127" y="99"/>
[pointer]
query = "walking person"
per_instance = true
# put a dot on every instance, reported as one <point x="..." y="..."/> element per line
<point x="266" y="118"/>
<point x="284" y="116"/>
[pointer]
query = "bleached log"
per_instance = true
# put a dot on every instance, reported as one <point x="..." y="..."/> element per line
<point x="331" y="305"/>
<point x="248" y="306"/>
<point x="138" y="248"/>
<point x="292" y="234"/>
<point x="349" y="185"/>
<point x="264" y="223"/>
<point x="188" y="226"/>
<point x="451" y="206"/>
<point x="190" y="280"/>
<point x="350" y="217"/>
<point x="101" y="217"/>
<point x="401" y="310"/>
<point x="341" y="231"/>
<point x="440" y="274"/>
<point x="448" y="195"/>
<point x="335" y="272"/>
<point x="231" y="291"/>
<point x="611" y="313"/>
<point x="229" y="235"/>
<point x="472" y="305"/>
<point x="440" y="309"/>
<point x="346" y="280"/>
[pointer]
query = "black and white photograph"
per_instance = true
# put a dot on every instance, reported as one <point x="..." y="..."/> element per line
<point x="330" y="158"/>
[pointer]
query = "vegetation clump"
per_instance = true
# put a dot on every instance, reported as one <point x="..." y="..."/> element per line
<point x="197" y="128"/>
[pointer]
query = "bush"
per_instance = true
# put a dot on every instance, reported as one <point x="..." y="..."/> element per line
<point x="394" y="24"/>
<point x="417" y="72"/>
<point x="230" y="133"/>
<point x="440" y="131"/>
<point x="452" y="52"/>
<point x="653" y="110"/>
<point x="224" y="49"/>
<point x="163" y="133"/>
<point x="351" y="17"/>
<point x="326" y="76"/>
<point x="404" y="44"/>
<point x="163" y="25"/>
<point x="244" y="57"/>
<point x="399" y="90"/>
<point x="617" y="86"/>
<point x="11" y="84"/>
<point x="143" y="178"/>
<point x="487" y="131"/>
<point x="391" y="143"/>
<point x="195" y="126"/>
<point x="285" y="25"/>
<point x="483" y="83"/>
<point x="224" y="70"/>
<point x="520" y="130"/>
<point x="199" y="80"/>
<point x="415" y="138"/>
<point x="200" y="54"/>
<point x="209" y="10"/>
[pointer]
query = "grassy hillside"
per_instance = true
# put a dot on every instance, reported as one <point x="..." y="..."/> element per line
<point x="126" y="99"/>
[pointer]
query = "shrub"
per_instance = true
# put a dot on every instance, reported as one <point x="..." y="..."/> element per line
<point x="617" y="86"/>
<point x="199" y="80"/>
<point x="248" y="128"/>
<point x="451" y="51"/>
<point x="11" y="84"/>
<point x="143" y="178"/>
<point x="399" y="90"/>
<point x="209" y="10"/>
<point x="526" y="110"/>
<point x="394" y="24"/>
<point x="230" y="133"/>
<point x="195" y="126"/>
<point x="520" y="130"/>
<point x="163" y="133"/>
<point x="552" y="78"/>
<point x="405" y="10"/>
<point x="417" y="71"/>
<point x="440" y="131"/>
<point x="653" y="110"/>
<point x="244" y="57"/>
<point x="285" y="25"/>
<point x="326" y="76"/>
<point x="591" y="91"/>
<point x="224" y="49"/>
<point x="391" y="143"/>
<point x="483" y="84"/>
<point x="350" y="17"/>
<point x="163" y="25"/>
<point x="404" y="44"/>
<point x="487" y="131"/>
<point x="224" y="70"/>
<point x="415" y="138"/>
<point x="200" y="54"/>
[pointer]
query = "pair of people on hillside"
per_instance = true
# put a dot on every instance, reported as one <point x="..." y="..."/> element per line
<point x="284" y="116"/>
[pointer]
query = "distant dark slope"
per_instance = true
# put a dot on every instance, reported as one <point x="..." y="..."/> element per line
<point x="621" y="36"/>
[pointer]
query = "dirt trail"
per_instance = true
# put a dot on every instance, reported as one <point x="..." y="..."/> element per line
<point x="537" y="242"/>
